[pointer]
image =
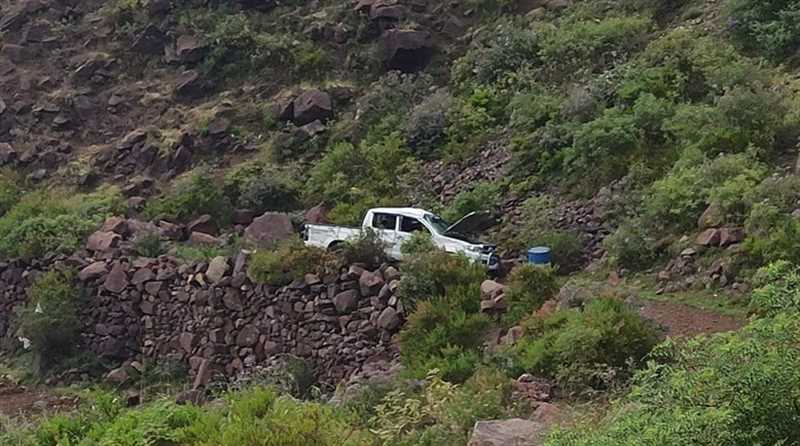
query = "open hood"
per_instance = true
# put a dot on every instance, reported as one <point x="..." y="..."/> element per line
<point x="473" y="223"/>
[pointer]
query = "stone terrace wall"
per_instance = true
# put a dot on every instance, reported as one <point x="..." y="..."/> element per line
<point x="214" y="318"/>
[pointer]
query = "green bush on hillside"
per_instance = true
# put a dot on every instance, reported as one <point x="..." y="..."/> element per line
<point x="445" y="334"/>
<point x="190" y="196"/>
<point x="288" y="261"/>
<point x="441" y="413"/>
<point x="10" y="189"/>
<point x="529" y="287"/>
<point x="591" y="45"/>
<point x="772" y="235"/>
<point x="770" y="26"/>
<point x="733" y="389"/>
<point x="695" y="181"/>
<point x="580" y="349"/>
<point x="261" y="188"/>
<point x="46" y="221"/>
<point x="50" y="320"/>
<point x="370" y="180"/>
<point x="631" y="246"/>
<point x="255" y="416"/>
<point x="483" y="197"/>
<point x="367" y="248"/>
<point x="418" y="243"/>
<point x="501" y="53"/>
<point x="778" y="289"/>
<point x="433" y="274"/>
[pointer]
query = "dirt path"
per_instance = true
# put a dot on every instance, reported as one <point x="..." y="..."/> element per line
<point x="680" y="320"/>
<point x="18" y="400"/>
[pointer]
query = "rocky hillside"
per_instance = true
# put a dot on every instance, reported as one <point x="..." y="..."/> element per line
<point x="158" y="159"/>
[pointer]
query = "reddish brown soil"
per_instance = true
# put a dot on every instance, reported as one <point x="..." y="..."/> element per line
<point x="18" y="400"/>
<point x="681" y="320"/>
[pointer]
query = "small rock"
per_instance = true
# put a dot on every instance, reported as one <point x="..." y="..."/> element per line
<point x="217" y="269"/>
<point x="389" y="319"/>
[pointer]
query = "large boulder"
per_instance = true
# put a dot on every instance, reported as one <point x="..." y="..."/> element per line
<point x="346" y="301"/>
<point x="150" y="41"/>
<point x="93" y="271"/>
<point x="370" y="283"/>
<point x="217" y="269"/>
<point x="269" y="228"/>
<point x="189" y="49"/>
<point x="312" y="105"/>
<point x="407" y="50"/>
<point x="204" y="224"/>
<point x="515" y="431"/>
<point x="709" y="237"/>
<point x="117" y="279"/>
<point x="191" y="85"/>
<point x="7" y="154"/>
<point x="318" y="215"/>
<point x="102" y="241"/>
<point x="389" y="319"/>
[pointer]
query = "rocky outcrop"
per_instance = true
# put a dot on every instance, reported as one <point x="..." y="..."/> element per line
<point x="310" y="106"/>
<point x="407" y="50"/>
<point x="269" y="228"/>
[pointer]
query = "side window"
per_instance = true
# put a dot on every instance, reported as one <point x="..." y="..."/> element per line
<point x="408" y="224"/>
<point x="384" y="221"/>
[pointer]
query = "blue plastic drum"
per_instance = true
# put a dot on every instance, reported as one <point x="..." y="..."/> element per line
<point x="539" y="255"/>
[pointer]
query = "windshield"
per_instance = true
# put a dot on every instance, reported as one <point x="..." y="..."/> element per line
<point x="438" y="223"/>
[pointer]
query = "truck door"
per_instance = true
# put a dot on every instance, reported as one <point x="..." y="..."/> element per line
<point x="408" y="226"/>
<point x="386" y="227"/>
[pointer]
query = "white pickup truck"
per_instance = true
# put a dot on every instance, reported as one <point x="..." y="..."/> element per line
<point x="395" y="225"/>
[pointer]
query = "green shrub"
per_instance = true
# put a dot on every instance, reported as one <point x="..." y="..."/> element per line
<point x="290" y="260"/>
<point x="579" y="348"/>
<point x="733" y="389"/>
<point x="778" y="289"/>
<point x="426" y="127"/>
<point x="10" y="189"/>
<point x="50" y="320"/>
<point x="367" y="248"/>
<point x="394" y="93"/>
<point x="591" y="45"/>
<point x="47" y="221"/>
<point x="445" y="334"/>
<point x="500" y="53"/>
<point x="260" y="416"/>
<point x="370" y="177"/>
<point x="630" y="246"/>
<point x="533" y="108"/>
<point x="684" y="65"/>
<point x="190" y="196"/>
<point x="472" y="119"/>
<point x="149" y="245"/>
<point x="680" y="197"/>
<point x="771" y="235"/>
<point x="603" y="147"/>
<point x="255" y="416"/>
<point x="769" y="26"/>
<point x="241" y="44"/>
<point x="484" y="197"/>
<point x="433" y="274"/>
<point x="732" y="124"/>
<point x="418" y="243"/>
<point x="262" y="188"/>
<point x="441" y="414"/>
<point x="529" y="287"/>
